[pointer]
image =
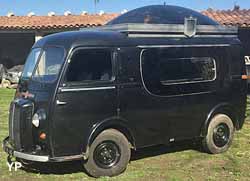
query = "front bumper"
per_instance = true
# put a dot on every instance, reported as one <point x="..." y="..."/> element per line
<point x="8" y="148"/>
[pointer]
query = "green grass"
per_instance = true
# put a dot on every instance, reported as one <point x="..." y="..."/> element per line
<point x="172" y="165"/>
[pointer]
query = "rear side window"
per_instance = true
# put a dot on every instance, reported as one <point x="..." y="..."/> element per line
<point x="186" y="70"/>
<point x="88" y="65"/>
<point x="177" y="71"/>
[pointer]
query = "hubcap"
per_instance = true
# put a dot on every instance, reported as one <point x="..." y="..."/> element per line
<point x="107" y="154"/>
<point x="221" y="135"/>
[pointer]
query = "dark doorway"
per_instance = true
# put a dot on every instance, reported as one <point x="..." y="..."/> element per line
<point x="14" y="48"/>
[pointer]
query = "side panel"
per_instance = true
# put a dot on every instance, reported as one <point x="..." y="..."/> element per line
<point x="198" y="106"/>
<point x="159" y="119"/>
<point x="148" y="115"/>
<point x="238" y="89"/>
<point x="232" y="95"/>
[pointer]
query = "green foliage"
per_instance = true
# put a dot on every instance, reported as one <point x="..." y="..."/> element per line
<point x="187" y="164"/>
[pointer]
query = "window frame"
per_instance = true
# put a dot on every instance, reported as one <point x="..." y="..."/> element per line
<point x="43" y="49"/>
<point x="164" y="83"/>
<point x="199" y="88"/>
<point x="35" y="65"/>
<point x="198" y="81"/>
<point x="90" y="82"/>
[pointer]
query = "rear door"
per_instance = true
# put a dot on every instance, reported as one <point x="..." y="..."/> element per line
<point x="88" y="95"/>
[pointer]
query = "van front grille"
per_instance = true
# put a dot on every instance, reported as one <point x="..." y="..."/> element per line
<point x="20" y="129"/>
<point x="14" y="125"/>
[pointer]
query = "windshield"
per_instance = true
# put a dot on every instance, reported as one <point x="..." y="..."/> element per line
<point x="44" y="65"/>
<point x="49" y="65"/>
<point x="31" y="63"/>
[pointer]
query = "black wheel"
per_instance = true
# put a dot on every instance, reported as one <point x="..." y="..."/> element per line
<point x="109" y="154"/>
<point x="219" y="134"/>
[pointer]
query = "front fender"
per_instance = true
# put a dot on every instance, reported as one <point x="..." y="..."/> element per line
<point x="115" y="123"/>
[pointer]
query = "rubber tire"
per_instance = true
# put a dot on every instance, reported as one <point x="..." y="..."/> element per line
<point x="109" y="135"/>
<point x="208" y="142"/>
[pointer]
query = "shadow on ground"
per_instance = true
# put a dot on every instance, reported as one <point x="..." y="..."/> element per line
<point x="77" y="166"/>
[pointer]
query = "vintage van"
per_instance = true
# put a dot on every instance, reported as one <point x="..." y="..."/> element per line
<point x="155" y="75"/>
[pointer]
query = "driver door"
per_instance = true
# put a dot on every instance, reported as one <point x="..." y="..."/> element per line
<point x="88" y="96"/>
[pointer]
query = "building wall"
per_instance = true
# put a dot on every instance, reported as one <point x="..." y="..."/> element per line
<point x="14" y="48"/>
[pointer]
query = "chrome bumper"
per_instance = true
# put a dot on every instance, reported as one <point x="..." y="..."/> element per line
<point x="7" y="147"/>
<point x="30" y="157"/>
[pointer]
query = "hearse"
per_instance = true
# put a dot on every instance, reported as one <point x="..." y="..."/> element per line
<point x="155" y="75"/>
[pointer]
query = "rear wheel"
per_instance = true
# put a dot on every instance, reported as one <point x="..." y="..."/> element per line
<point x="219" y="134"/>
<point x="109" y="154"/>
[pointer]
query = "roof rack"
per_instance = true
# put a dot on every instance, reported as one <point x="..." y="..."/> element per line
<point x="170" y="30"/>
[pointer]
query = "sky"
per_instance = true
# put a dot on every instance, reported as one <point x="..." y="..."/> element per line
<point x="42" y="7"/>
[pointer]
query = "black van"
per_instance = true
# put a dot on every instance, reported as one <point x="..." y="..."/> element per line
<point x="155" y="75"/>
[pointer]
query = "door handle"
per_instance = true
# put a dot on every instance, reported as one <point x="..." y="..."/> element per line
<point x="60" y="103"/>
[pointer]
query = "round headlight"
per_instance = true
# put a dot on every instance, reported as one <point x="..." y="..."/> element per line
<point x="35" y="120"/>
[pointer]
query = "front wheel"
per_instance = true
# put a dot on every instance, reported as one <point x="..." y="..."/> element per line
<point x="109" y="154"/>
<point x="219" y="134"/>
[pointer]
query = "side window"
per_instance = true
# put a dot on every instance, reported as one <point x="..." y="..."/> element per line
<point x="177" y="71"/>
<point x="90" y="65"/>
<point x="186" y="70"/>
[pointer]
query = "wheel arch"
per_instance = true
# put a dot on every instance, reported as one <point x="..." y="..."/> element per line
<point x="118" y="124"/>
<point x="223" y="108"/>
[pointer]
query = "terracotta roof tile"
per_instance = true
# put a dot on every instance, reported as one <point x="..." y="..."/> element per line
<point x="54" y="22"/>
<point x="230" y="17"/>
<point x="225" y="17"/>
